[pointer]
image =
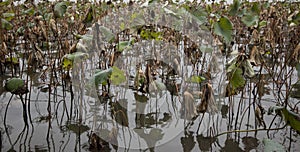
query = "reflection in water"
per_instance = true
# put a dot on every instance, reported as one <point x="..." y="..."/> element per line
<point x="188" y="141"/>
<point x="231" y="145"/>
<point x="250" y="143"/>
<point x="205" y="143"/>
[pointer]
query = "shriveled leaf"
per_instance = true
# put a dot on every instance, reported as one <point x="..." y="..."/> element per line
<point x="117" y="76"/>
<point x="250" y="20"/>
<point x="223" y="28"/>
<point x="60" y="9"/>
<point x="270" y="146"/>
<point x="14" y="84"/>
<point x="107" y="33"/>
<point x="188" y="109"/>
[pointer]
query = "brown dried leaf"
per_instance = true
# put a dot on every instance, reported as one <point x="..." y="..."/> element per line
<point x="208" y="101"/>
<point x="188" y="109"/>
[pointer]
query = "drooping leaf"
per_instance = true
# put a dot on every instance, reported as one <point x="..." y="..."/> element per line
<point x="124" y="45"/>
<point x="137" y="20"/>
<point x="76" y="55"/>
<point x="14" y="84"/>
<point x="255" y="9"/>
<point x="117" y="77"/>
<point x="100" y="77"/>
<point x="12" y="60"/>
<point x="8" y="16"/>
<point x="234" y="7"/>
<point x="198" y="13"/>
<point x="250" y="20"/>
<point x="270" y="146"/>
<point x="88" y="16"/>
<point x="6" y="24"/>
<point x="206" y="48"/>
<point x="296" y="18"/>
<point x="262" y="24"/>
<point x="223" y="28"/>
<point x="156" y="86"/>
<point x="29" y="11"/>
<point x="60" y="9"/>
<point x="68" y="59"/>
<point x="236" y="79"/>
<point x="196" y="79"/>
<point x="298" y="70"/>
<point x="291" y="118"/>
<point x="107" y="33"/>
<point x="248" y="69"/>
<point x="172" y="13"/>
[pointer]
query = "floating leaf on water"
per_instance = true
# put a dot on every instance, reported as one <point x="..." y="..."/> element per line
<point x="78" y="128"/>
<point x="60" y="9"/>
<point x="270" y="146"/>
<point x="13" y="85"/>
<point x="223" y="28"/>
<point x="107" y="33"/>
<point x="117" y="77"/>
